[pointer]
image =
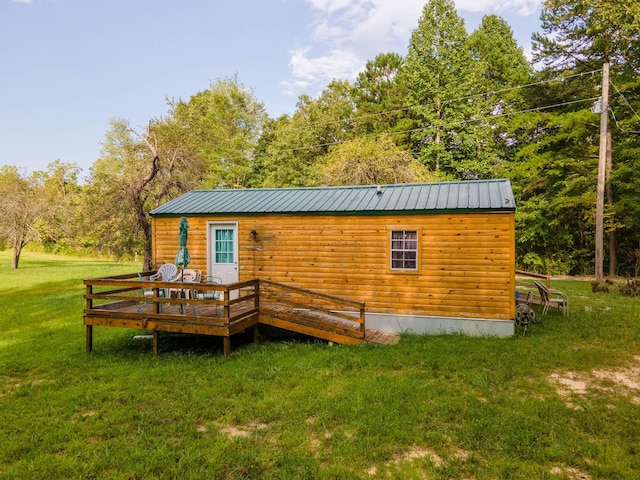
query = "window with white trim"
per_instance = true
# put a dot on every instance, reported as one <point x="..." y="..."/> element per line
<point x="404" y="250"/>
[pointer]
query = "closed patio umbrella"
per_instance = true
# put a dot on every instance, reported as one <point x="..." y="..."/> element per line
<point x="182" y="257"/>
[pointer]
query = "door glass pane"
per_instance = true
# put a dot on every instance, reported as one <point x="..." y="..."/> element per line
<point x="224" y="246"/>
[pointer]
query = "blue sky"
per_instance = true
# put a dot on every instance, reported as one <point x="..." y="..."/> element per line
<point x="68" y="66"/>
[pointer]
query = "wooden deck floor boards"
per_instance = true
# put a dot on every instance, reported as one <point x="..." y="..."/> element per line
<point x="316" y="323"/>
<point x="380" y="338"/>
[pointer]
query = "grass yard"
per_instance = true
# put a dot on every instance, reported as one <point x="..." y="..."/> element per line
<point x="562" y="402"/>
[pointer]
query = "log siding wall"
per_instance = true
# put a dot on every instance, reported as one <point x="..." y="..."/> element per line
<point x="466" y="260"/>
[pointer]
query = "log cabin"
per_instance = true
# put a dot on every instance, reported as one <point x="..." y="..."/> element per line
<point x="424" y="257"/>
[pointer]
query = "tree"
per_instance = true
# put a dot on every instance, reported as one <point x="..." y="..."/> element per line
<point x="288" y="153"/>
<point x="136" y="173"/>
<point x="437" y="70"/>
<point x="59" y="228"/>
<point x="205" y="142"/>
<point x="380" y="96"/>
<point x="623" y="214"/>
<point x="500" y="67"/>
<point x="223" y="124"/>
<point x="551" y="173"/>
<point x="21" y="207"/>
<point x="366" y="161"/>
<point x="582" y="35"/>
<point x="299" y="143"/>
<point x="120" y="192"/>
<point x="500" y="60"/>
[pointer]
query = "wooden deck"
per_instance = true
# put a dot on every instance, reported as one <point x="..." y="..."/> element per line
<point x="117" y="302"/>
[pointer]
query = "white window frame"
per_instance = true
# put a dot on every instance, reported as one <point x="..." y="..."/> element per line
<point x="404" y="249"/>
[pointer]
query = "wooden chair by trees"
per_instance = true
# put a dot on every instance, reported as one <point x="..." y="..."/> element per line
<point x="552" y="298"/>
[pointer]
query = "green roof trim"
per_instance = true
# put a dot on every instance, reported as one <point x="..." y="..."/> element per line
<point x="441" y="197"/>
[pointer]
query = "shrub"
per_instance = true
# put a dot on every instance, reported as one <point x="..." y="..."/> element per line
<point x="631" y="288"/>
<point x="599" y="287"/>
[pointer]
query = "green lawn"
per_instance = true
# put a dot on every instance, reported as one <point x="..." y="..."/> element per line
<point x="560" y="402"/>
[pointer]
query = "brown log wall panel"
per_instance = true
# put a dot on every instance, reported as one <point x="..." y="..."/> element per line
<point x="466" y="263"/>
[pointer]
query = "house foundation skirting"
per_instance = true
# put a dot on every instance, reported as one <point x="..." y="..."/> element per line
<point x="439" y="325"/>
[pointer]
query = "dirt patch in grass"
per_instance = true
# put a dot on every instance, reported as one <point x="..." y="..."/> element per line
<point x="415" y="454"/>
<point x="242" y="431"/>
<point x="570" y="473"/>
<point x="14" y="384"/>
<point x="234" y="431"/>
<point x="622" y="381"/>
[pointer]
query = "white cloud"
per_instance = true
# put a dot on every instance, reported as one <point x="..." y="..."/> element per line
<point x="520" y="7"/>
<point x="26" y="2"/>
<point x="335" y="63"/>
<point x="294" y="87"/>
<point x="345" y="34"/>
<point x="330" y="6"/>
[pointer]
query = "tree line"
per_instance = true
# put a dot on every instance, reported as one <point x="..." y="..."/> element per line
<point x="455" y="106"/>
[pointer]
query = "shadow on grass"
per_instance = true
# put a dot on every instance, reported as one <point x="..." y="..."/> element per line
<point x="126" y="344"/>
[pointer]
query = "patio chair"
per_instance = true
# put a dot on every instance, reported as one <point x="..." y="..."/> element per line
<point x="166" y="273"/>
<point x="187" y="275"/>
<point x="199" y="294"/>
<point x="147" y="292"/>
<point x="552" y="298"/>
<point x="190" y="275"/>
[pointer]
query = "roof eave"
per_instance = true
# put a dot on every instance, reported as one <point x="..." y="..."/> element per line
<point x="335" y="214"/>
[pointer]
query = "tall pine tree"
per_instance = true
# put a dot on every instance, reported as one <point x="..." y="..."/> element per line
<point x="438" y="73"/>
<point x="500" y="69"/>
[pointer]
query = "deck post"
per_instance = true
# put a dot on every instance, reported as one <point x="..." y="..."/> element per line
<point x="226" y="345"/>
<point x="226" y="309"/>
<point x="157" y="306"/>
<point x="88" y="300"/>
<point x="154" y="345"/>
<point x="256" y="290"/>
<point x="89" y="339"/>
<point x="256" y="334"/>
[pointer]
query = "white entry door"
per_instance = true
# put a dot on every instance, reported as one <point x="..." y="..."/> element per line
<point x="223" y="251"/>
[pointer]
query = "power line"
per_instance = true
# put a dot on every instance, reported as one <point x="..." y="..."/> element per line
<point x="628" y="105"/>
<point x="536" y="109"/>
<point x="405" y="109"/>
<point x="449" y="101"/>
<point x="428" y="127"/>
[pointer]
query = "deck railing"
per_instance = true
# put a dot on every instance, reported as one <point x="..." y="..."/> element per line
<point x="546" y="278"/>
<point x="116" y="290"/>
<point x="119" y="301"/>
<point x="223" y="310"/>
<point x="331" y="306"/>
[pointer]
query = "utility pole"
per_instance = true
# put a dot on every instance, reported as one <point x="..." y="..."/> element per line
<point x="602" y="161"/>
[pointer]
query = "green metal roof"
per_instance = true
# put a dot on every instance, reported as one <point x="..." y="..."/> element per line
<point x="480" y="195"/>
